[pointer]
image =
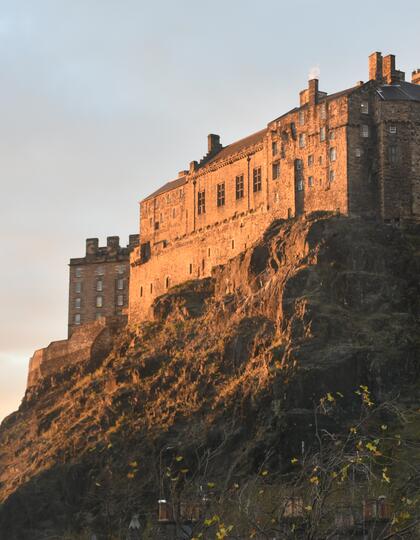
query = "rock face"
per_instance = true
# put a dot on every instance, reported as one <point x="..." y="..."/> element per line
<point x="231" y="366"/>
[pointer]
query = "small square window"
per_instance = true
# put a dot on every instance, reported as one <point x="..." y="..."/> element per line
<point x="322" y="134"/>
<point x="310" y="181"/>
<point x="276" y="170"/>
<point x="364" y="131"/>
<point x="99" y="301"/>
<point x="393" y="130"/>
<point x="120" y="300"/>
<point x="364" y="107"/>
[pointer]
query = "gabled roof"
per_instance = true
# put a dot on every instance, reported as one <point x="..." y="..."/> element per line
<point x="169" y="186"/>
<point x="236" y="147"/>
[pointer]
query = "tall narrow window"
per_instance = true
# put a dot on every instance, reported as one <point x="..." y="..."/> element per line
<point x="301" y="118"/>
<point x="239" y="187"/>
<point x="221" y="194"/>
<point x="99" y="285"/>
<point x="276" y="170"/>
<point x="274" y="148"/>
<point x="364" y="107"/>
<point x="310" y="181"/>
<point x="77" y="303"/>
<point x="120" y="300"/>
<point x="322" y="134"/>
<point x="78" y="287"/>
<point x="141" y="291"/>
<point x="331" y="176"/>
<point x="333" y="154"/>
<point x="299" y="185"/>
<point x="302" y="140"/>
<point x="201" y="202"/>
<point x="120" y="284"/>
<point x="191" y="268"/>
<point x="151" y="288"/>
<point x="77" y="318"/>
<point x="167" y="283"/>
<point x="310" y="160"/>
<point x="99" y="301"/>
<point x="78" y="272"/>
<point x="393" y="156"/>
<point x="323" y="111"/>
<point x="256" y="180"/>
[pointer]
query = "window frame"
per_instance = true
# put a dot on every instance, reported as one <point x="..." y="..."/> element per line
<point x="201" y="202"/>
<point x="257" y="179"/>
<point x="221" y="194"/>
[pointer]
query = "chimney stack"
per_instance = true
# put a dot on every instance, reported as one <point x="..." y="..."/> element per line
<point x="415" y="76"/>
<point x="375" y="67"/>
<point x="92" y="245"/>
<point x="182" y="173"/>
<point x="391" y="75"/>
<point x="112" y="244"/>
<point x="193" y="166"/>
<point x="213" y="143"/>
<point x="313" y="91"/>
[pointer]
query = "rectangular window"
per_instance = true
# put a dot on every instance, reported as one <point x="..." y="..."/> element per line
<point x="299" y="185"/>
<point x="141" y="291"/>
<point x="256" y="180"/>
<point x="333" y="154"/>
<point x="78" y="272"/>
<point x="310" y="181"/>
<point x="151" y="288"/>
<point x="221" y="194"/>
<point x="393" y="130"/>
<point x="364" y="131"/>
<point x="239" y="187"/>
<point x="393" y="156"/>
<point x="323" y="111"/>
<point x="276" y="170"/>
<point x="99" y="301"/>
<point x="77" y="318"/>
<point x="331" y="135"/>
<point x="302" y="140"/>
<point x="191" y="268"/>
<point x="121" y="269"/>
<point x="77" y="303"/>
<point x="274" y="148"/>
<point x="293" y="130"/>
<point x="99" y="285"/>
<point x="120" y="284"/>
<point x="358" y="152"/>
<point x="331" y="175"/>
<point x="201" y="202"/>
<point x="310" y="160"/>
<point x="301" y="118"/>
<point x="120" y="300"/>
<point x="322" y="134"/>
<point x="299" y="164"/>
<point x="156" y="225"/>
<point x="78" y="287"/>
<point x="364" y="107"/>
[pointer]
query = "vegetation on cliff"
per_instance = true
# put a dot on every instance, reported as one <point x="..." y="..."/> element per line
<point x="290" y="375"/>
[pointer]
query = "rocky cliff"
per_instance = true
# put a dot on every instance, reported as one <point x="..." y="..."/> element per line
<point x="227" y="374"/>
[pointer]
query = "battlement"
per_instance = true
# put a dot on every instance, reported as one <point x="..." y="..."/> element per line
<point x="111" y="252"/>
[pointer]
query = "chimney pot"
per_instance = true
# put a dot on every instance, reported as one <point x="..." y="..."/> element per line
<point x="415" y="76"/>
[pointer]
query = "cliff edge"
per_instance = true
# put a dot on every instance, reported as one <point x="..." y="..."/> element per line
<point x="227" y="373"/>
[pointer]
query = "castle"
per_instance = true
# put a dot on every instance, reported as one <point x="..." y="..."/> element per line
<point x="354" y="152"/>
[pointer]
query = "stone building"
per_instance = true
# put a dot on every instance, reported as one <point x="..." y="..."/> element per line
<point x="99" y="281"/>
<point x="354" y="152"/>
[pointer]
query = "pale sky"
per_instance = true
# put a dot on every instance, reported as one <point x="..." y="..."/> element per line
<point x="101" y="101"/>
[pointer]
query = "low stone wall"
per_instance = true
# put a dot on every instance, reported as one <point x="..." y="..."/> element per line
<point x="94" y="338"/>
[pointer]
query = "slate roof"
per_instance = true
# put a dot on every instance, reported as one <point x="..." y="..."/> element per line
<point x="173" y="184"/>
<point x="402" y="91"/>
